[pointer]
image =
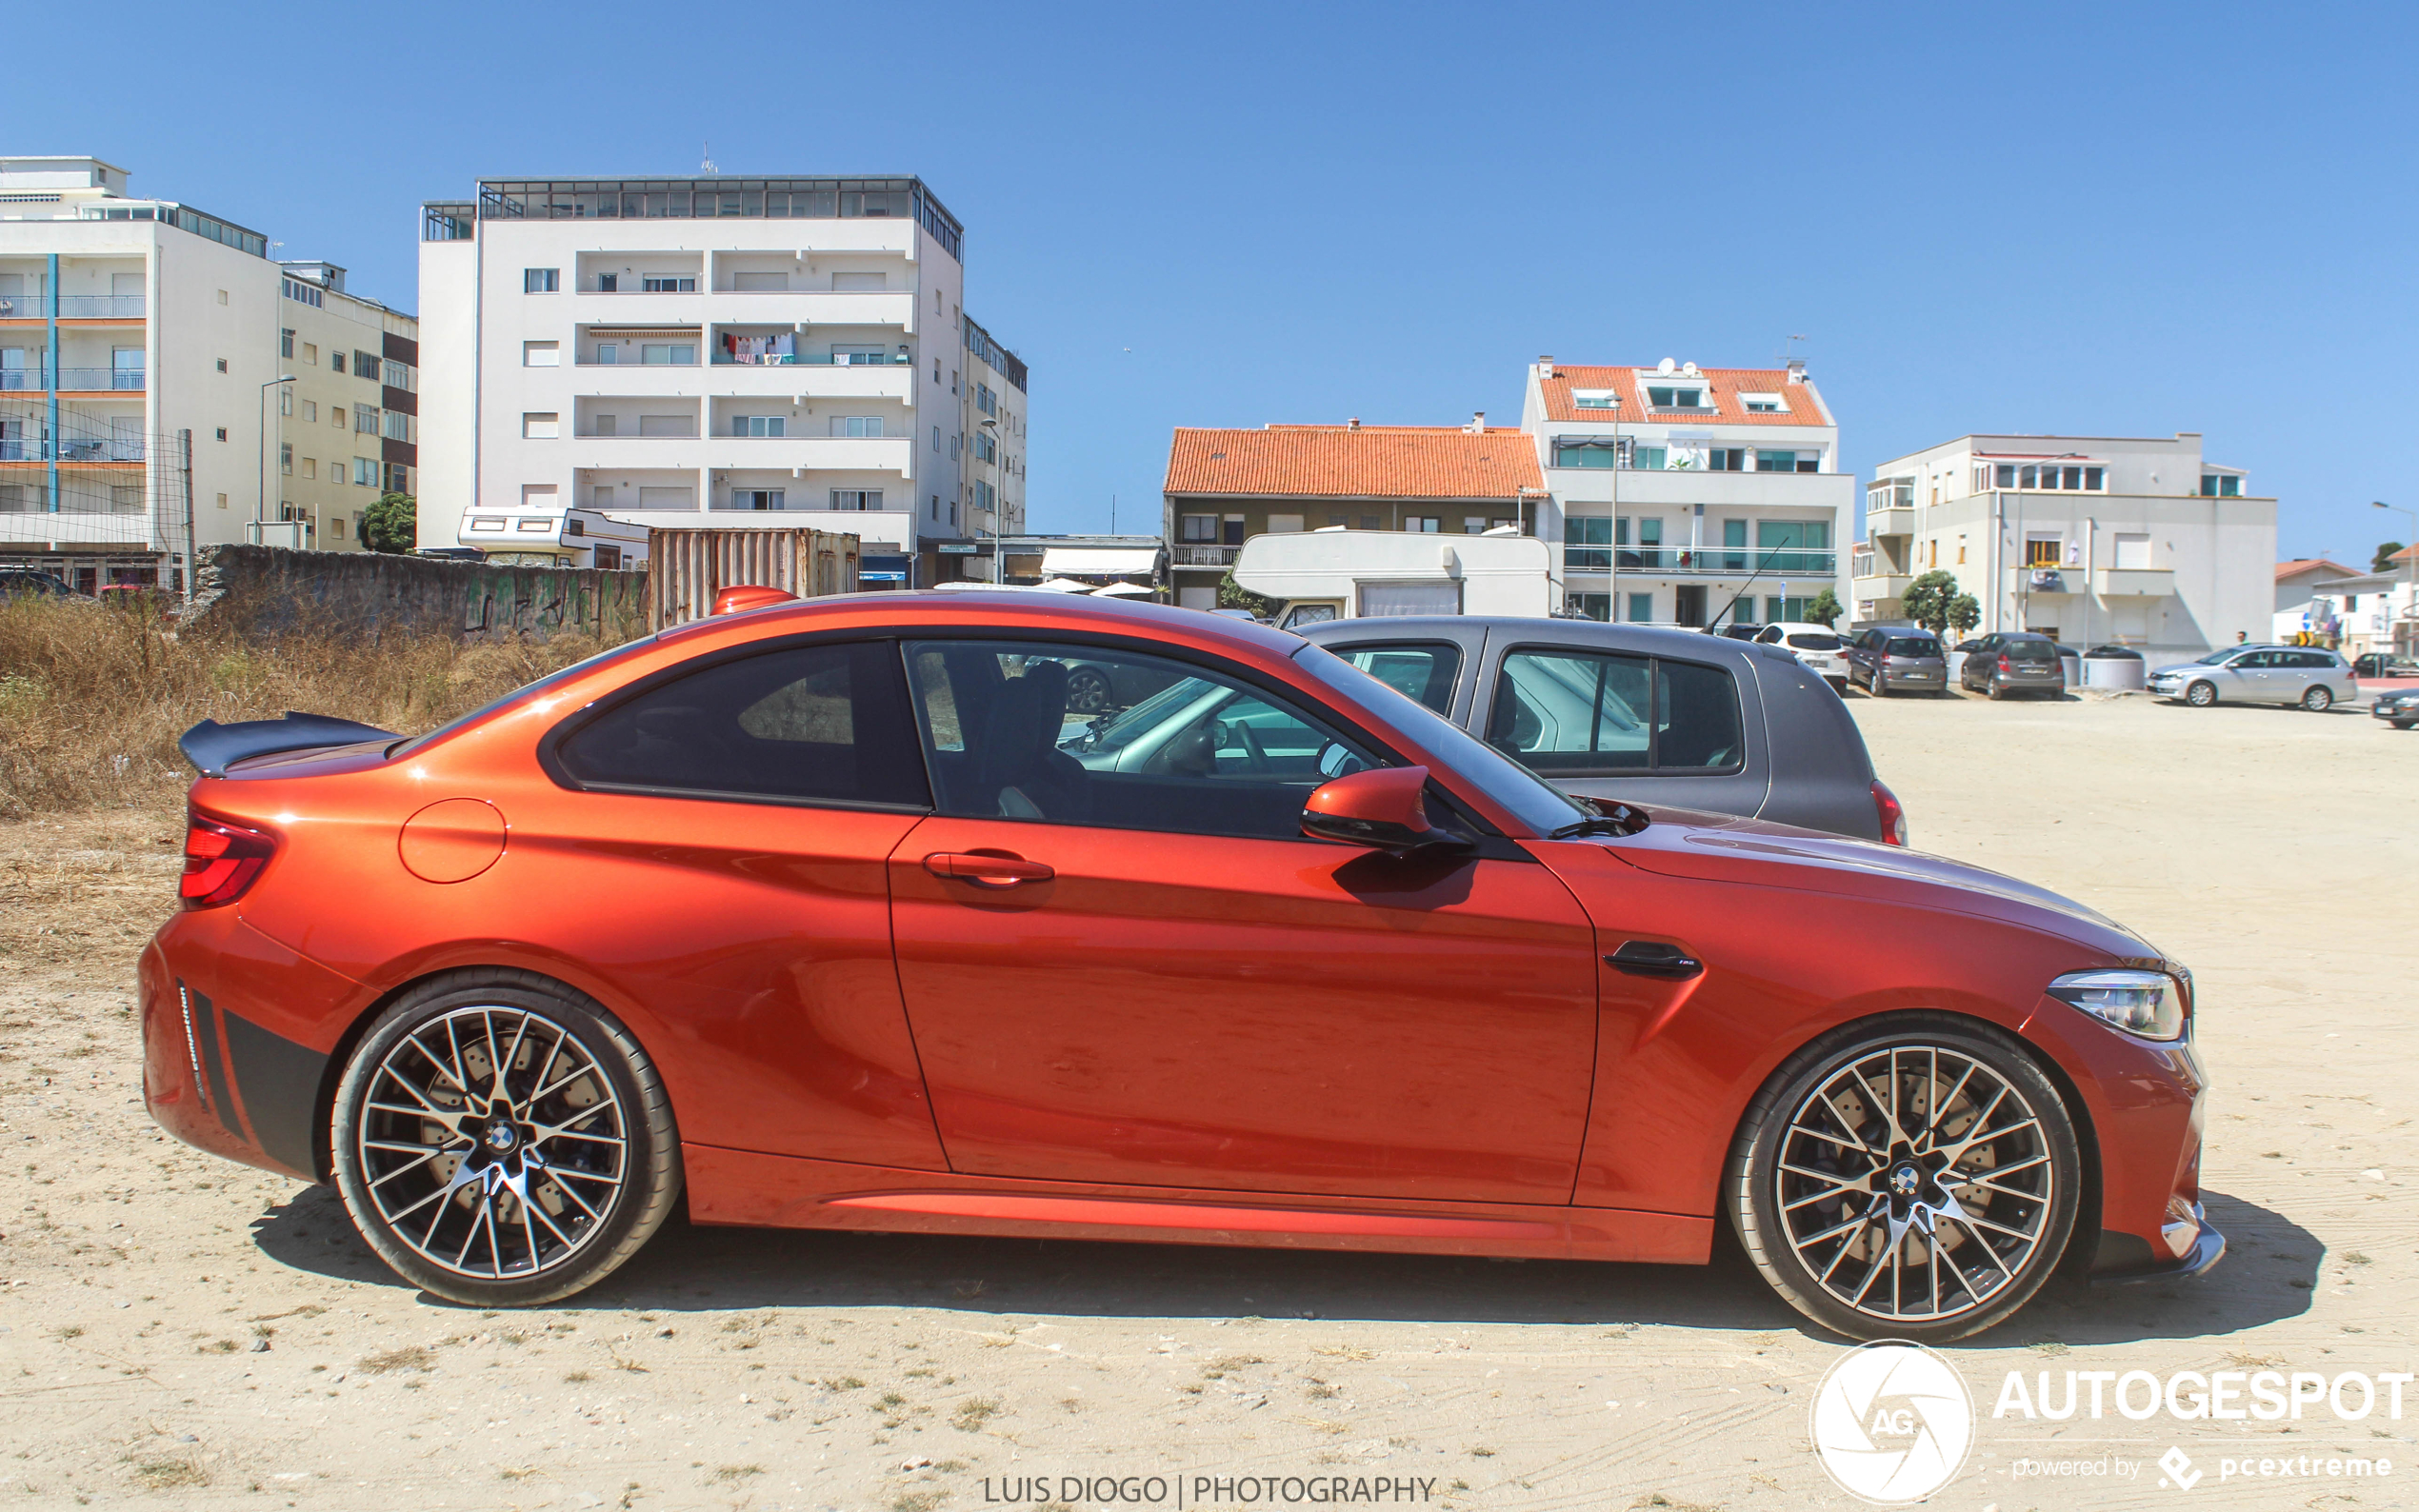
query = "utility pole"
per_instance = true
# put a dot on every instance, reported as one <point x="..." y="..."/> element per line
<point x="185" y="468"/>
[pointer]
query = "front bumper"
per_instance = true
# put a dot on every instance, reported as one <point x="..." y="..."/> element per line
<point x="2208" y="1247"/>
<point x="2381" y="710"/>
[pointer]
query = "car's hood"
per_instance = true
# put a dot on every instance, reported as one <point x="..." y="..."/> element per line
<point x="2180" y="667"/>
<point x="1719" y="847"/>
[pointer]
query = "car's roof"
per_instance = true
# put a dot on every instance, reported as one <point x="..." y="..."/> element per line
<point x="1651" y="639"/>
<point x="1010" y="606"/>
<point x="1797" y="627"/>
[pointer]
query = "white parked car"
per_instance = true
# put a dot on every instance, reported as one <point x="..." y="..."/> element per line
<point x="1823" y="649"/>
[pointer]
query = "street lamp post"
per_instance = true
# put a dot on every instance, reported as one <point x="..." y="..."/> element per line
<point x="2411" y="554"/>
<point x="260" y="507"/>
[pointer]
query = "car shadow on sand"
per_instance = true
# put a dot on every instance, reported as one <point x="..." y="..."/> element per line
<point x="2269" y="1269"/>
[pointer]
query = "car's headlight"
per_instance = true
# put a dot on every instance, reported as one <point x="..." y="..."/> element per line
<point x="2142" y="1003"/>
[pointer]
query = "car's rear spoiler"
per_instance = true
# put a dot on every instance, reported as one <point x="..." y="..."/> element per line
<point x="213" y="746"/>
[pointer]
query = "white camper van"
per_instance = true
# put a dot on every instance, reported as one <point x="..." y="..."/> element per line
<point x="571" y="538"/>
<point x="1341" y="574"/>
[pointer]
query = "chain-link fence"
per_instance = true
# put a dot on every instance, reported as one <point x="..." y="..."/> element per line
<point x="92" y="497"/>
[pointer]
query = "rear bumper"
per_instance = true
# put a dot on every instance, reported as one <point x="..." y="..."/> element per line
<point x="221" y="1071"/>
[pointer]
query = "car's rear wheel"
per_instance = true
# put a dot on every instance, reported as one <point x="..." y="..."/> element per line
<point x="1915" y="1177"/>
<point x="502" y="1140"/>
<point x="2318" y="700"/>
<point x="1881" y="685"/>
<point x="2200" y="695"/>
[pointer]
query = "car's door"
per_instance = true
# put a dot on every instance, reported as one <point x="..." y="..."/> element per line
<point x="726" y="865"/>
<point x="1613" y="724"/>
<point x="2251" y="677"/>
<point x="1125" y="963"/>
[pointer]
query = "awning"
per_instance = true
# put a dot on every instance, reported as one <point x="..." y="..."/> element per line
<point x="1122" y="590"/>
<point x="1091" y="561"/>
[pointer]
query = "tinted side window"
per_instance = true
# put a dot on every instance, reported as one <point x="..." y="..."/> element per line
<point x="1575" y="713"/>
<point x="809" y="723"/>
<point x="2318" y="660"/>
<point x="1424" y="671"/>
<point x="1196" y="754"/>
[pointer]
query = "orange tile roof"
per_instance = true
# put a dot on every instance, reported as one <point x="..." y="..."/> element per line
<point x="2307" y="564"/>
<point x="1356" y="462"/>
<point x="1725" y="384"/>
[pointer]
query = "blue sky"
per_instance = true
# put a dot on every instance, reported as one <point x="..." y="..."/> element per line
<point x="2096" y="220"/>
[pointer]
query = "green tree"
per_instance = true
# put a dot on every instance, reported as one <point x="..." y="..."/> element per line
<point x="2383" y="560"/>
<point x="1233" y="595"/>
<point x="1826" y="609"/>
<point x="1964" y="613"/>
<point x="1927" y="599"/>
<point x="391" y="524"/>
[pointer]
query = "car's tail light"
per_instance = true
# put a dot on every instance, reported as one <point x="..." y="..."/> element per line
<point x="2007" y="665"/>
<point x="220" y="861"/>
<point x="1892" y="814"/>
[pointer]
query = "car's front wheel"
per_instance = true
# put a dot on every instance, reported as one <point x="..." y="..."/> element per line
<point x="2318" y="700"/>
<point x="502" y="1140"/>
<point x="1914" y="1178"/>
<point x="1088" y="690"/>
<point x="2200" y="695"/>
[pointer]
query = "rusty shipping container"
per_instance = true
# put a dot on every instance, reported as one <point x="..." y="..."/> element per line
<point x="687" y="567"/>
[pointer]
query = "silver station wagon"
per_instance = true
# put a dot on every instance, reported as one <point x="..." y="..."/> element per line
<point x="1652" y="717"/>
<point x="2309" y="676"/>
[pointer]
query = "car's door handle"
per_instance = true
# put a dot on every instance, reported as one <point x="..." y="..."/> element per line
<point x="987" y="871"/>
<point x="1652" y="958"/>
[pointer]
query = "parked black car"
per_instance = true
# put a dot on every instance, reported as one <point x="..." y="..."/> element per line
<point x="2012" y="662"/>
<point x="32" y="581"/>
<point x="2379" y="664"/>
<point x="2400" y="709"/>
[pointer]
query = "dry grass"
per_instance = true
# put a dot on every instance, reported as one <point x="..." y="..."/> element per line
<point x="93" y="696"/>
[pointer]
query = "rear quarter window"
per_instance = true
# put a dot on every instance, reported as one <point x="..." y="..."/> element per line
<point x="1568" y="713"/>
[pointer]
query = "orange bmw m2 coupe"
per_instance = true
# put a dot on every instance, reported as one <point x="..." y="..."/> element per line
<point x="859" y="913"/>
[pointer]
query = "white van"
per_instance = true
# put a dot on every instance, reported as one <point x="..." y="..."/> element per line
<point x="1341" y="574"/>
<point x="569" y="538"/>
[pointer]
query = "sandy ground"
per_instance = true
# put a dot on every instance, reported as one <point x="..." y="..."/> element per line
<point x="177" y="1331"/>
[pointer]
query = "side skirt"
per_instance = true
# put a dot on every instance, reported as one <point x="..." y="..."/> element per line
<point x="742" y="1187"/>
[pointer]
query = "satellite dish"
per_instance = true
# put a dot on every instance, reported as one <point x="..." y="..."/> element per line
<point x="1691" y="369"/>
<point x="1667" y="365"/>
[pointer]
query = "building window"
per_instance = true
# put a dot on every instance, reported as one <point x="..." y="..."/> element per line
<point x="541" y="425"/>
<point x="856" y="498"/>
<point x="1781" y="461"/>
<point x="1588" y="543"/>
<point x="1649" y="459"/>
<point x="937" y="435"/>
<point x="541" y="355"/>
<point x="1676" y="398"/>
<point x="1763" y="403"/>
<point x="399" y="427"/>
<point x="310" y="411"/>
<point x="1424" y="524"/>
<point x="667" y="354"/>
<point x="666" y="284"/>
<point x="365" y="420"/>
<point x="1585" y="454"/>
<point x="986" y="450"/>
<point x="222" y="365"/>
<point x="310" y="469"/>
<point x="759" y="424"/>
<point x="221" y="433"/>
<point x="285" y="343"/>
<point x="985" y="400"/>
<point x="364" y="364"/>
<point x="541" y="280"/>
<point x="1594" y="399"/>
<point x="336" y="416"/>
<point x="286" y="457"/>
<point x="365" y="472"/>
<point x="398" y="478"/>
<point x="2043" y="551"/>
<point x="2220" y="485"/>
<point x="862" y="426"/>
<point x="1199" y="529"/>
<point x="1641" y="610"/>
<point x="1725" y="459"/>
<point x="336" y="525"/>
<point x="336" y="362"/>
<point x="285" y="398"/>
<point x="396" y="374"/>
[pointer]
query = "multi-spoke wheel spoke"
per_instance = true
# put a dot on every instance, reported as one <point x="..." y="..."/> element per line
<point x="478" y="1128"/>
<point x="1915" y="1183"/>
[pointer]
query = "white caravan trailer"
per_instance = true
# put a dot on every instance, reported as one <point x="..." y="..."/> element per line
<point x="1340" y="574"/>
<point x="571" y="538"/>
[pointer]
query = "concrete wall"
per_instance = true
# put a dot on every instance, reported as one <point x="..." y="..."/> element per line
<point x="363" y="592"/>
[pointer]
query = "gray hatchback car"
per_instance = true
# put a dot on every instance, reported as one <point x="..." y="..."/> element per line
<point x="1895" y="659"/>
<point x="2012" y="662"/>
<point x="1646" y="716"/>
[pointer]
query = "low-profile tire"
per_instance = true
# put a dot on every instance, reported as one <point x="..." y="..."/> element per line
<point x="1834" y="1180"/>
<point x="2318" y="698"/>
<point x="2200" y="695"/>
<point x="503" y="1191"/>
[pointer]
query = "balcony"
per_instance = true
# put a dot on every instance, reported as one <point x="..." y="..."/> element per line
<point x="1201" y="553"/>
<point x="71" y="380"/>
<point x="74" y="306"/>
<point x="1895" y="520"/>
<point x="1718" y="562"/>
<point x="2134" y="583"/>
<point x="879" y="359"/>
<point x="125" y="448"/>
<point x="1882" y="585"/>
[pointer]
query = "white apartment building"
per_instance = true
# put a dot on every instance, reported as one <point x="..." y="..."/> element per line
<point x="701" y="352"/>
<point x="126" y="326"/>
<point x="2086" y="539"/>
<point x="1690" y="496"/>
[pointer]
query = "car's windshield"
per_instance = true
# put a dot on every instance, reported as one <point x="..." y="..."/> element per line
<point x="1913" y="645"/>
<point x="550" y="680"/>
<point x="1810" y="641"/>
<point x="1522" y="792"/>
<point x="2218" y="657"/>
